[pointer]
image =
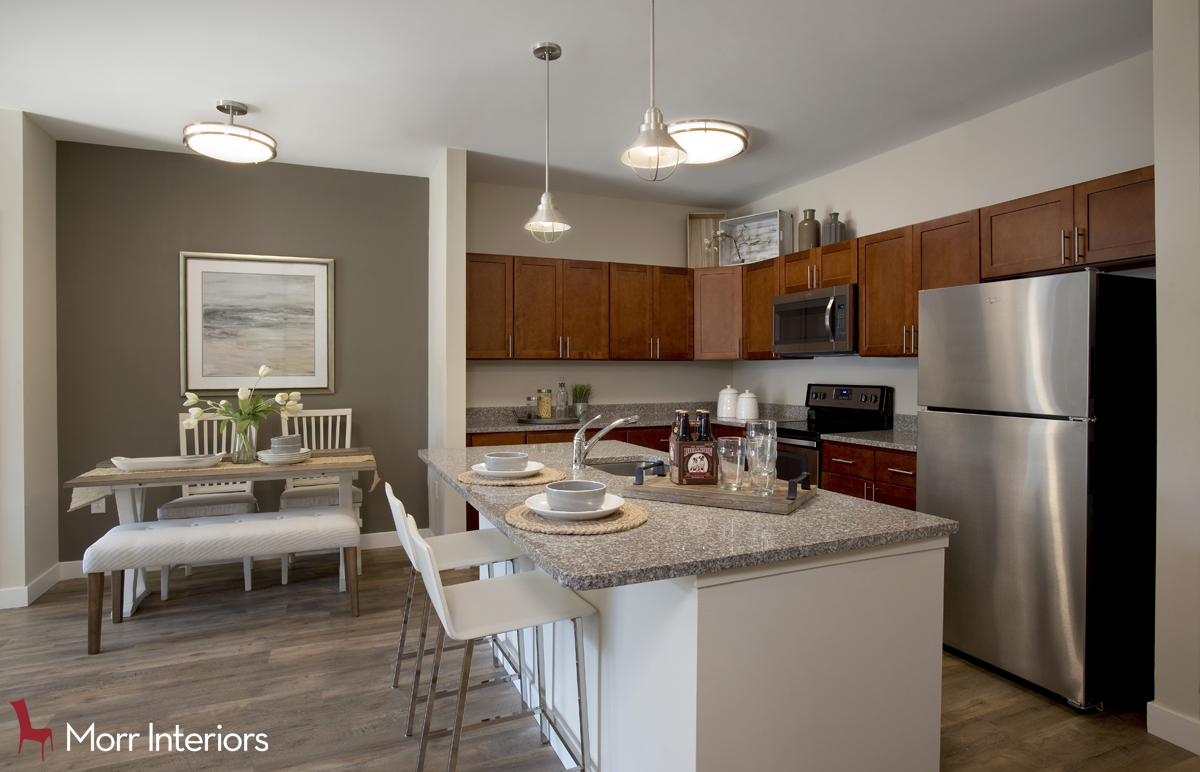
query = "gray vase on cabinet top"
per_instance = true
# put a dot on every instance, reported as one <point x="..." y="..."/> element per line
<point x="835" y="229"/>
<point x="808" y="232"/>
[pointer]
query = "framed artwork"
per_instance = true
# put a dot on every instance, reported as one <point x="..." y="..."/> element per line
<point x="237" y="312"/>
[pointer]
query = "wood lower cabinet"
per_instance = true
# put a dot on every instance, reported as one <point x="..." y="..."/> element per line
<point x="1114" y="218"/>
<point x="884" y="476"/>
<point x="673" y="332"/>
<point x="537" y="308"/>
<point x="630" y="311"/>
<point x="489" y="306"/>
<point x="839" y="263"/>
<point x="800" y="271"/>
<point x="489" y="439"/>
<point x="717" y="305"/>
<point x="1028" y="235"/>
<point x="655" y="437"/>
<point x="887" y="294"/>
<point x="760" y="283"/>
<point x="585" y="309"/>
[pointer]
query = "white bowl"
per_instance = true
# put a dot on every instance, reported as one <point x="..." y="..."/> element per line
<point x="575" y="495"/>
<point x="505" y="461"/>
<point x="611" y="504"/>
<point x="532" y="468"/>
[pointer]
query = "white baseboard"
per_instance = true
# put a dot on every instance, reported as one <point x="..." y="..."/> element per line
<point x="1173" y="727"/>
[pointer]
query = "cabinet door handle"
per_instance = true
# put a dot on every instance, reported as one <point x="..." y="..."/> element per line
<point x="914" y="339"/>
<point x="510" y="347"/>
<point x="874" y="490"/>
<point x="904" y="337"/>
<point x="658" y="355"/>
<point x="560" y="347"/>
<point x="1062" y="245"/>
<point x="843" y="461"/>
<point x="652" y="348"/>
<point x="568" y="347"/>
<point x="809" y="274"/>
<point x="739" y="348"/>
<point x="816" y="277"/>
<point x="864" y="490"/>
<point x="1078" y="252"/>
<point x="898" y="471"/>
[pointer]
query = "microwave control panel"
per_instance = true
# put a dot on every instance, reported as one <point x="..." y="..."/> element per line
<point x="873" y="398"/>
<point x="839" y="320"/>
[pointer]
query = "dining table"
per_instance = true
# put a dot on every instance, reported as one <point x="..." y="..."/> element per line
<point x="129" y="489"/>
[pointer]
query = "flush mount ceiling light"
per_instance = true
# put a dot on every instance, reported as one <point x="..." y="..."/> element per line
<point x="227" y="142"/>
<point x="708" y="141"/>
<point x="547" y="225"/>
<point x="654" y="155"/>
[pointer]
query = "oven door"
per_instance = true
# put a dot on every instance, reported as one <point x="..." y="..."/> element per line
<point x="790" y="460"/>
<point x="814" y="323"/>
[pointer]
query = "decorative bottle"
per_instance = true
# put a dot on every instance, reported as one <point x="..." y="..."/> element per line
<point x="560" y="410"/>
<point x="808" y="232"/>
<point x="835" y="229"/>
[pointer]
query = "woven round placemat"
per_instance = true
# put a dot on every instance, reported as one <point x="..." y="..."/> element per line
<point x="547" y="475"/>
<point x="629" y="516"/>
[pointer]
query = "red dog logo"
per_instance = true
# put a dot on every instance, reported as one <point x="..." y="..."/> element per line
<point x="27" y="730"/>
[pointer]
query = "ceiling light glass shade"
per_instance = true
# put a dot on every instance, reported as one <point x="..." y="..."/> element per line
<point x="707" y="141"/>
<point x="230" y="142"/>
<point x="547" y="225"/>
<point x="654" y="155"/>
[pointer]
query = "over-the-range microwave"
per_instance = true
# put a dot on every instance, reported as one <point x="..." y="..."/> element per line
<point x="818" y="322"/>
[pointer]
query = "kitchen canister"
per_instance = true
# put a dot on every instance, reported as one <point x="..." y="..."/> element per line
<point x="808" y="232"/>
<point x="727" y="402"/>
<point x="747" y="406"/>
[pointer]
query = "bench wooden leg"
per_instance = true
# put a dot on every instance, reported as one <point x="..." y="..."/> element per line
<point x="95" y="607"/>
<point x="118" y="597"/>
<point x="350" y="558"/>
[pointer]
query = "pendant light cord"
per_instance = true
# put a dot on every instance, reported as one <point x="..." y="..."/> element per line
<point x="547" y="57"/>
<point x="652" y="53"/>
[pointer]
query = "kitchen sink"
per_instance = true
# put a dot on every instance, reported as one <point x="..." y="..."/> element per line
<point x="620" y="468"/>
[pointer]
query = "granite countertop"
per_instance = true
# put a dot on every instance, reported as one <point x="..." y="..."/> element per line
<point x="504" y="419"/>
<point x="679" y="539"/>
<point x="902" y="435"/>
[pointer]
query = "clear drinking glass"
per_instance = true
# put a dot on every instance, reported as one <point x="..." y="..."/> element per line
<point x="731" y="452"/>
<point x="761" y="454"/>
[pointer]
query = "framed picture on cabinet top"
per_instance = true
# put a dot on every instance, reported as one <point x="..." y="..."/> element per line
<point x="238" y="312"/>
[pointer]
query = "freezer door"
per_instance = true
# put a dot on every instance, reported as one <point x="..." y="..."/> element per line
<point x="1016" y="569"/>
<point x="1019" y="346"/>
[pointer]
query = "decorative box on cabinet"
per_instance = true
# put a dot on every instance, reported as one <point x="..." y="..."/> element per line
<point x="777" y="225"/>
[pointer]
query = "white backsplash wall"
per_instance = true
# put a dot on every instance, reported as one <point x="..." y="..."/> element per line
<point x="784" y="381"/>
<point x="509" y="381"/>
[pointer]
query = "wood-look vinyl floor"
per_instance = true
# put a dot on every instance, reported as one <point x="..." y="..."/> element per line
<point x="290" y="662"/>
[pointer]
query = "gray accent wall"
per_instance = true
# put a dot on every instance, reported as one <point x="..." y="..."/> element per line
<point x="123" y="218"/>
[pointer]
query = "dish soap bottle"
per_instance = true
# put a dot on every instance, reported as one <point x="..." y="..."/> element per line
<point x="563" y="399"/>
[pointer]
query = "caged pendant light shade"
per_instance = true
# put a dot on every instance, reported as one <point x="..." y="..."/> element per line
<point x="654" y="155"/>
<point x="227" y="142"/>
<point x="547" y="225"/>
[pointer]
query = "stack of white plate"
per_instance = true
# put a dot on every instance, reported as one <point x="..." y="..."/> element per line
<point x="271" y="458"/>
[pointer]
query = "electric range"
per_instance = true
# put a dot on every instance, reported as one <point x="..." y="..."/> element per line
<point x="834" y="409"/>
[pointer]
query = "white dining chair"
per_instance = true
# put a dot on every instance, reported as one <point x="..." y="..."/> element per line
<point x="208" y="499"/>
<point x="453" y="551"/>
<point x="486" y="609"/>
<point x="324" y="429"/>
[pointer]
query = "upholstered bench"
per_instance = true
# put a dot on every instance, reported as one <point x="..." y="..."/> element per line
<point x="201" y="539"/>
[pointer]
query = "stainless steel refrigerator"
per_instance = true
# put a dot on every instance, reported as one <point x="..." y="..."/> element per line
<point x="1037" y="433"/>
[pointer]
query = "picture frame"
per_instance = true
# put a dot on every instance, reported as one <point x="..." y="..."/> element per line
<point x="237" y="312"/>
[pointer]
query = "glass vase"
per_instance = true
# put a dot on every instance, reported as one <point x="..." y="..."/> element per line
<point x="243" y="445"/>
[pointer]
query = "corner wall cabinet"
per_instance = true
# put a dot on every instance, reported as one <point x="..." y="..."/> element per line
<point x="887" y="294"/>
<point x="760" y="283"/>
<point x="1114" y="217"/>
<point x="489" y="307"/>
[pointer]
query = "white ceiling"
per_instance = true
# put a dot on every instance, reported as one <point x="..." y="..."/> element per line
<point x="381" y="86"/>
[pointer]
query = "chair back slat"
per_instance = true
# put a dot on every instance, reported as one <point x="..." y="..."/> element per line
<point x="208" y="437"/>
<point x="319" y="430"/>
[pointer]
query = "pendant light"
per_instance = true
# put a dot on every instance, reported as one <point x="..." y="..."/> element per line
<point x="708" y="141"/>
<point x="227" y="142"/>
<point x="547" y="225"/>
<point x="654" y="155"/>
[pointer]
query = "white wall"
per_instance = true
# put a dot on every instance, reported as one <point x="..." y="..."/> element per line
<point x="510" y="381"/>
<point x="1175" y="712"/>
<point x="447" y="329"/>
<point x="28" y="371"/>
<point x="1094" y="126"/>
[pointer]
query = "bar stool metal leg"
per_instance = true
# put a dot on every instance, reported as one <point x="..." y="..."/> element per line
<point x="416" y="684"/>
<point x="581" y="676"/>
<point x="495" y="656"/>
<point x="412" y="584"/>
<point x="539" y="646"/>
<point x="462" y="704"/>
<point x="433" y="677"/>
<point x="521" y="669"/>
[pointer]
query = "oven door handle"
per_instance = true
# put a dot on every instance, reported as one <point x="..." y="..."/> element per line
<point x="800" y="443"/>
<point x="829" y="318"/>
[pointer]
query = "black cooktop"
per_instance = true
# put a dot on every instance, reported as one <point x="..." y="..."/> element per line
<point x="838" y="409"/>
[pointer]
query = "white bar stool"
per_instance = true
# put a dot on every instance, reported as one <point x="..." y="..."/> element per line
<point x="452" y="551"/>
<point x="489" y="608"/>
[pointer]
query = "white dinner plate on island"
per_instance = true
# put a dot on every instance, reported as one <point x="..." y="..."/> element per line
<point x="162" y="463"/>
<point x="531" y="468"/>
<point x="540" y="505"/>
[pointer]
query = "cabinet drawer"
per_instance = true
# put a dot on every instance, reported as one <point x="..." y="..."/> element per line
<point x="495" y="438"/>
<point x="849" y="460"/>
<point x="894" y="495"/>
<point x="541" y="438"/>
<point x="896" y="469"/>
<point x="850" y="486"/>
<point x="658" y="438"/>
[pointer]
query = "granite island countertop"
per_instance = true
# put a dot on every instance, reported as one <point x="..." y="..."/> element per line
<point x="679" y="539"/>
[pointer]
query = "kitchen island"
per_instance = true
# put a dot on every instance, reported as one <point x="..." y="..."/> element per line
<point x="735" y="640"/>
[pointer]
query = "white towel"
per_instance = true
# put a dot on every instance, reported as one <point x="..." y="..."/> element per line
<point x="82" y="497"/>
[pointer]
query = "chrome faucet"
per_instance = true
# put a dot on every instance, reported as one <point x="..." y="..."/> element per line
<point x="581" y="446"/>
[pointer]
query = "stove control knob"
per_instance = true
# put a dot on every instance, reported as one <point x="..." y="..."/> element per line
<point x="862" y="398"/>
<point x="874" y="398"/>
<point x="815" y="395"/>
<point x="822" y="395"/>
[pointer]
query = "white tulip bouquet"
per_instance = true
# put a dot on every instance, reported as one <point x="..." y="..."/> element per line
<point x="249" y="410"/>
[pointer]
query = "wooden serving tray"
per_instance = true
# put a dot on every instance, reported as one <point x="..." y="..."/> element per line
<point x="662" y="489"/>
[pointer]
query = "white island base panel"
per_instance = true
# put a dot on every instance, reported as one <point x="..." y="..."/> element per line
<point x="825" y="663"/>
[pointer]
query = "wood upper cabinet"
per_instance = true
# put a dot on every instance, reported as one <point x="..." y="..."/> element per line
<point x="585" y="309"/>
<point x="490" y="306"/>
<point x="1027" y="235"/>
<point x="630" y="311"/>
<point x="946" y="251"/>
<point x="537" y="308"/>
<point x="672" y="320"/>
<point x="887" y="291"/>
<point x="800" y="271"/>
<point x="717" y="305"/>
<point x="1114" y="218"/>
<point x="760" y="283"/>
<point x="839" y="263"/>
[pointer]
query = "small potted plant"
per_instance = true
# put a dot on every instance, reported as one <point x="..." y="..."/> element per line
<point x="245" y="415"/>
<point x="581" y="394"/>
